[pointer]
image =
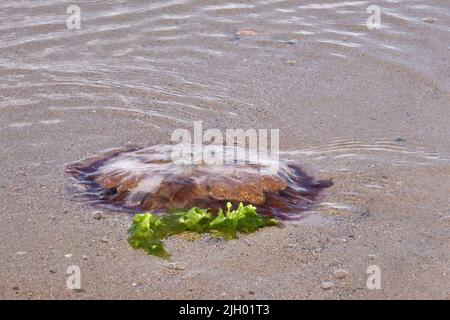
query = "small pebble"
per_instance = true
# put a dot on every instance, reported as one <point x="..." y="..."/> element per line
<point x="429" y="19"/>
<point x="21" y="253"/>
<point x="84" y="257"/>
<point x="327" y="285"/>
<point x="97" y="215"/>
<point x="340" y="274"/>
<point x="251" y="33"/>
<point x="291" y="62"/>
<point x="52" y="271"/>
<point x="174" y="266"/>
<point x="104" y="240"/>
<point x="372" y="257"/>
<point x="69" y="255"/>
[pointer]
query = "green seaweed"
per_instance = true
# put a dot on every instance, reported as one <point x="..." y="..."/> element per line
<point x="148" y="230"/>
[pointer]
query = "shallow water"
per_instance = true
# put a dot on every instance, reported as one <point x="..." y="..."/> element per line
<point x="166" y="60"/>
<point x="156" y="66"/>
<point x="364" y="169"/>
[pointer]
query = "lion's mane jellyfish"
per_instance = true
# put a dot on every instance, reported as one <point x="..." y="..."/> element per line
<point x="147" y="179"/>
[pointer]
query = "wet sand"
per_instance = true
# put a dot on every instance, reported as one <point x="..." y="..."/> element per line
<point x="371" y="118"/>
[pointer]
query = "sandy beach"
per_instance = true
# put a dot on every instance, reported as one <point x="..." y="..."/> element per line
<point x="368" y="109"/>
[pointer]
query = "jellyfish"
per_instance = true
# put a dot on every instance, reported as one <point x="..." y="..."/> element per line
<point x="147" y="179"/>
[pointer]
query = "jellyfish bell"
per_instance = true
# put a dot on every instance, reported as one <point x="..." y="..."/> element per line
<point x="153" y="179"/>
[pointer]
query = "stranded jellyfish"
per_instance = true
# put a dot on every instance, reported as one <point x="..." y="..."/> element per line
<point x="152" y="179"/>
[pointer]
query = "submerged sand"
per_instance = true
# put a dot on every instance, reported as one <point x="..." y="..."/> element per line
<point x="371" y="118"/>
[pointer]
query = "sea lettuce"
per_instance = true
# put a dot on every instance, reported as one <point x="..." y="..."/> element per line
<point x="148" y="230"/>
<point x="145" y="233"/>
